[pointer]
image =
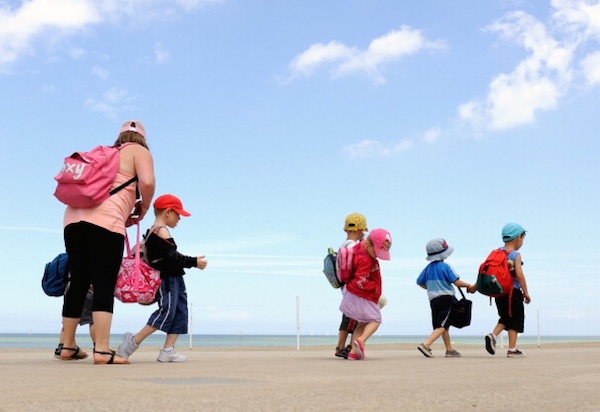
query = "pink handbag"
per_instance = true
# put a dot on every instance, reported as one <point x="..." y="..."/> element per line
<point x="137" y="282"/>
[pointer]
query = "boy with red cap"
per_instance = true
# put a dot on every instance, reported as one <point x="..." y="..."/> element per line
<point x="171" y="316"/>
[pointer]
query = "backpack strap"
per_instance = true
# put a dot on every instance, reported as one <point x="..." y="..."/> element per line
<point x="130" y="181"/>
<point x="124" y="185"/>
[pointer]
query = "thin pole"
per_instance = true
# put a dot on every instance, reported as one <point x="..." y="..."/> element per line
<point x="538" y="327"/>
<point x="191" y="323"/>
<point x="298" y="323"/>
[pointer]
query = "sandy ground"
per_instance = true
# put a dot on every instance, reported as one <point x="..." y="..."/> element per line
<point x="392" y="378"/>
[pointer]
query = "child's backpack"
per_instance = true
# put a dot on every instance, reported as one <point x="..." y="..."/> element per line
<point x="344" y="263"/>
<point x="86" y="178"/>
<point x="56" y="276"/>
<point x="329" y="268"/>
<point x="494" y="278"/>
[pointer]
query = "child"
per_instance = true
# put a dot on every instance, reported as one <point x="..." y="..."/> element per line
<point x="363" y="289"/>
<point x="513" y="236"/>
<point x="171" y="316"/>
<point x="437" y="278"/>
<point x="355" y="225"/>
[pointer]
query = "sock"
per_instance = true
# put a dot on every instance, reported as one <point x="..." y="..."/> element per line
<point x="168" y="349"/>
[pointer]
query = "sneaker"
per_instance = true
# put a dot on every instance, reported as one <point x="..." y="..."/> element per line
<point x="514" y="354"/>
<point x="453" y="354"/>
<point x="128" y="346"/>
<point x="170" y="356"/>
<point x="425" y="350"/>
<point x="353" y="356"/>
<point x="490" y="344"/>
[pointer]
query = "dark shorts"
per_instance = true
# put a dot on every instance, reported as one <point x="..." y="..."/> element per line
<point x="517" y="320"/>
<point x="86" y="315"/>
<point x="348" y="324"/>
<point x="440" y="311"/>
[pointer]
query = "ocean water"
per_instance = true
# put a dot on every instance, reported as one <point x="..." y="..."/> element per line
<point x="47" y="341"/>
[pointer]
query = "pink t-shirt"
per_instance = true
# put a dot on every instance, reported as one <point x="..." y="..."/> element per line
<point x="110" y="214"/>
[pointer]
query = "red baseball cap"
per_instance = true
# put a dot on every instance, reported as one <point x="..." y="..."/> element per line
<point x="170" y="202"/>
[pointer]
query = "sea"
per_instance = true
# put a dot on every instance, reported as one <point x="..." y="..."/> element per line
<point x="49" y="340"/>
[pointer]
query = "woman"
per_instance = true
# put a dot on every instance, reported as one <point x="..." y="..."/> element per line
<point x="94" y="240"/>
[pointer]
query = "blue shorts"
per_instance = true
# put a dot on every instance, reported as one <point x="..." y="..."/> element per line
<point x="171" y="316"/>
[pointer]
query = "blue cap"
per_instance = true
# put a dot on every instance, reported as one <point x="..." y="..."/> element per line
<point x="511" y="231"/>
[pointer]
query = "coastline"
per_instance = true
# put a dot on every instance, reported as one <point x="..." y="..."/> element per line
<point x="554" y="378"/>
<point x="50" y="340"/>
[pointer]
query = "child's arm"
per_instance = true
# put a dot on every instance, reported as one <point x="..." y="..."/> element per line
<point x="185" y="261"/>
<point x="521" y="279"/>
<point x="462" y="284"/>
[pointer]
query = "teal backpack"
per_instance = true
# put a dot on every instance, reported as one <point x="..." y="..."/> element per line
<point x="329" y="268"/>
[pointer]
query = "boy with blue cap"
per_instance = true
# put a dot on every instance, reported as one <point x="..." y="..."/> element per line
<point x="511" y="312"/>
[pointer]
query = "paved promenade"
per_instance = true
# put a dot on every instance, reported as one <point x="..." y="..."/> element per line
<point x="282" y="379"/>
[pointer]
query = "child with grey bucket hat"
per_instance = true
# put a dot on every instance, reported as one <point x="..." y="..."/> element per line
<point x="438" y="279"/>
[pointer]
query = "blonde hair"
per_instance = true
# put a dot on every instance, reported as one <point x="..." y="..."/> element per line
<point x="133" y="137"/>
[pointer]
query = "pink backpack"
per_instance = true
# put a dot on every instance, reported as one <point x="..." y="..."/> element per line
<point x="343" y="265"/>
<point x="86" y="178"/>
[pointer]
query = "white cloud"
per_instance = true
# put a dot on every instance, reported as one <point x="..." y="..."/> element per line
<point x="375" y="148"/>
<point x="318" y="54"/>
<point x="19" y="28"/>
<point x="578" y="18"/>
<point x="161" y="55"/>
<point x="346" y="60"/>
<point x="432" y="135"/>
<point x="112" y="102"/>
<point x="591" y="68"/>
<point x="100" y="72"/>
<point x="537" y="83"/>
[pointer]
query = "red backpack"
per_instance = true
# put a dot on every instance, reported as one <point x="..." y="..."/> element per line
<point x="86" y="178"/>
<point x="494" y="278"/>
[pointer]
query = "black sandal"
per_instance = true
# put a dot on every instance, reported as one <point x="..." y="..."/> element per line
<point x="74" y="356"/>
<point x="57" y="351"/>
<point x="111" y="361"/>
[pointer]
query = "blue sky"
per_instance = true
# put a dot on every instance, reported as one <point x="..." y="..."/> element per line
<point x="274" y="120"/>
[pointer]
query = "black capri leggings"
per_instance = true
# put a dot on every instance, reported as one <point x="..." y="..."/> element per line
<point x="95" y="257"/>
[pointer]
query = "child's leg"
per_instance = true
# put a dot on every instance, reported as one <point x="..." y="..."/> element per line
<point x="447" y="341"/>
<point x="512" y="339"/>
<point x="367" y="330"/>
<point x="170" y="340"/>
<point x="146" y="331"/>
<point x="342" y="338"/>
<point x="433" y="337"/>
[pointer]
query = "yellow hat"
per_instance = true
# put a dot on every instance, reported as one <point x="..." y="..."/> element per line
<point x="355" y="222"/>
